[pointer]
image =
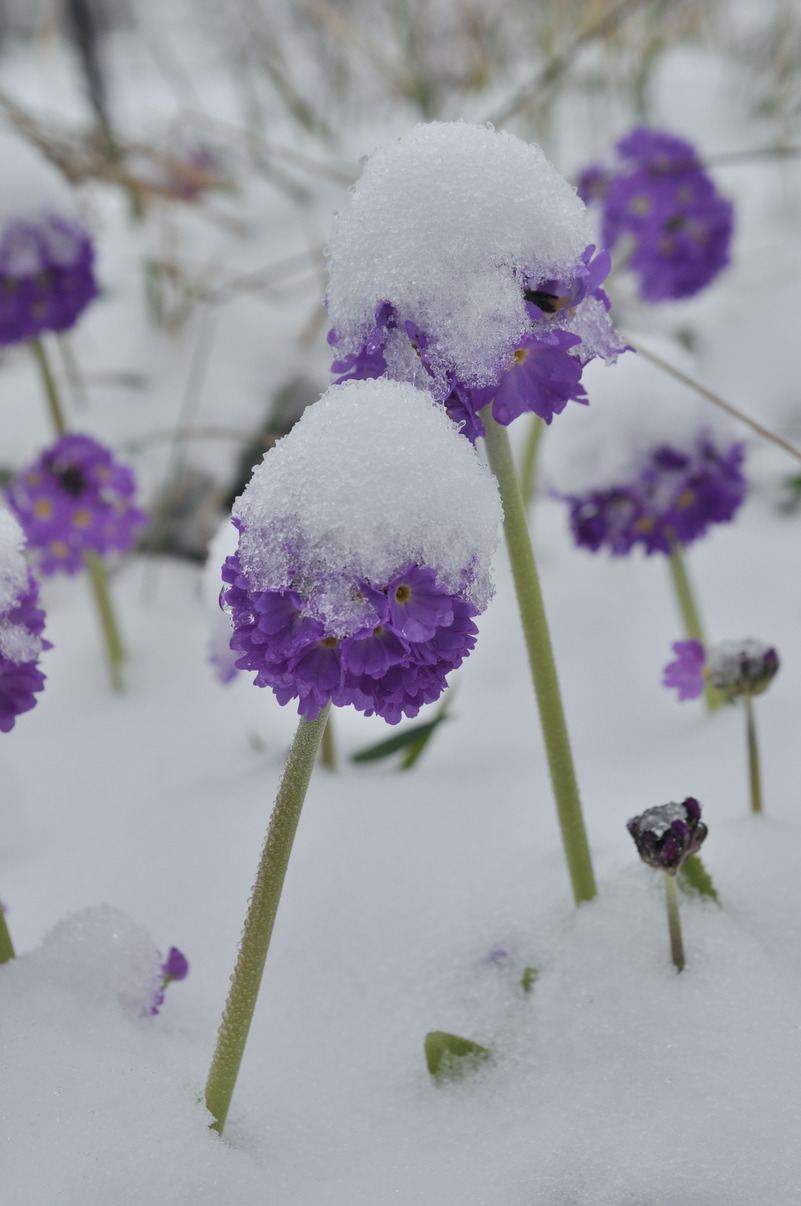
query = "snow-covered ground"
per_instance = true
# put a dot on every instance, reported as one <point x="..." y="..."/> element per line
<point x="414" y="901"/>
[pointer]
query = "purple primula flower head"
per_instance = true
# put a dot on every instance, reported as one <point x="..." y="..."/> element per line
<point x="644" y="466"/>
<point x="686" y="673"/>
<point x="76" y="498"/>
<point x="174" y="967"/>
<point x="46" y="254"/>
<point x="659" y="199"/>
<point x="365" y="540"/>
<point x="21" y="626"/>
<point x="460" y="248"/>
<point x="744" y="667"/>
<point x="666" y="836"/>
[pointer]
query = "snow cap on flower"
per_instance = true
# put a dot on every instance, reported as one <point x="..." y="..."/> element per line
<point x="365" y="543"/>
<point x="46" y="254"/>
<point x="76" y="498"/>
<point x="647" y="464"/>
<point x="21" y="625"/>
<point x="462" y="259"/>
<point x="742" y="667"/>
<point x="659" y="196"/>
<point x="220" y="654"/>
<point x="666" y="836"/>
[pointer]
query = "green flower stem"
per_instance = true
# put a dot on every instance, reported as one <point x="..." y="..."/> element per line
<point x="112" y="644"/>
<point x="542" y="663"/>
<point x="753" y="755"/>
<point x="262" y="910"/>
<point x="528" y="462"/>
<point x="328" y="751"/>
<point x="49" y="383"/>
<point x="6" y="945"/>
<point x="674" y="921"/>
<point x="689" y="613"/>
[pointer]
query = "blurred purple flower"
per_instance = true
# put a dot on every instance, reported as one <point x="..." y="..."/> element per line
<point x="659" y="196"/>
<point x="75" y="499"/>
<point x="686" y="674"/>
<point x="174" y="967"/>
<point x="46" y="276"/>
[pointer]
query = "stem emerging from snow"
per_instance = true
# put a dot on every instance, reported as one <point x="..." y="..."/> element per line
<point x="753" y="755"/>
<point x="6" y="945"/>
<point x="542" y="663"/>
<point x="674" y="921"/>
<point x="262" y="910"/>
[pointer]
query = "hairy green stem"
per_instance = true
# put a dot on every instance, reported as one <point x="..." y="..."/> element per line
<point x="112" y="643"/>
<point x="674" y="921"/>
<point x="542" y="663"/>
<point x="689" y="612"/>
<point x="528" y="462"/>
<point x="49" y="382"/>
<point x="262" y="910"/>
<point x="328" y="751"/>
<point x="6" y="945"/>
<point x="754" y="777"/>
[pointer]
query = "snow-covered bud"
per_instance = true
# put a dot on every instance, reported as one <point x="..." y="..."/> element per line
<point x="666" y="836"/>
<point x="742" y="667"/>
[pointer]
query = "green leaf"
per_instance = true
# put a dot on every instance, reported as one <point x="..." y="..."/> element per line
<point x="529" y="978"/>
<point x="401" y="741"/>
<point x="449" y="1056"/>
<point x="694" y="877"/>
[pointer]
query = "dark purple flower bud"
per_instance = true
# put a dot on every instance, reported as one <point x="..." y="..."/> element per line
<point x="659" y="196"/>
<point x="666" y="836"/>
<point x="742" y="667"/>
<point x="75" y="499"/>
<point x="175" y="966"/>
<point x="686" y="674"/>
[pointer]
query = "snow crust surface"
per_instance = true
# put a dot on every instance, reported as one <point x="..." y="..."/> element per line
<point x="373" y="477"/>
<point x="441" y="223"/>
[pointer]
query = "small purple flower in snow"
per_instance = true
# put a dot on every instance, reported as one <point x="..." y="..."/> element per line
<point x="686" y="673"/>
<point x="75" y="499"/>
<point x="174" y="967"/>
<point x="21" y="625"/>
<point x="658" y="196"/>
<point x="666" y="836"/>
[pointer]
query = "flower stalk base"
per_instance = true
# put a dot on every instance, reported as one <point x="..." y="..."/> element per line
<point x="674" y="921"/>
<point x="262" y="910"/>
<point x="542" y="663"/>
<point x="754" y="777"/>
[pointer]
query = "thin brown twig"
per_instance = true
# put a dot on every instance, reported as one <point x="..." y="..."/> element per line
<point x="691" y="383"/>
<point x="557" y="63"/>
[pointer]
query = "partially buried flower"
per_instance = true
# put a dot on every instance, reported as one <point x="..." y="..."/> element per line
<point x="76" y="498"/>
<point x="659" y="197"/>
<point x="734" y="668"/>
<point x="46" y="254"/>
<point x="363" y="556"/>
<point x="464" y="265"/>
<point x="174" y="967"/>
<point x="21" y="625"/>
<point x="666" y="836"/>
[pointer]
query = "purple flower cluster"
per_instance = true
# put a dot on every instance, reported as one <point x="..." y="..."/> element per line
<point x="733" y="667"/>
<point x="75" y="499"/>
<point x="174" y="967"/>
<point x="667" y="835"/>
<point x="46" y="276"/>
<point x="392" y="666"/>
<point x="677" y="495"/>
<point x="540" y="374"/>
<point x="659" y="197"/>
<point x="20" y="676"/>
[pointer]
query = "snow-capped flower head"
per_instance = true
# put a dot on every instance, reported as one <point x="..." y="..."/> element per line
<point x="21" y="625"/>
<point x="46" y="255"/>
<point x="647" y="466"/>
<point x="465" y="264"/>
<point x="667" y="835"/>
<point x="658" y="197"/>
<point x="364" y="553"/>
<point x="734" y="668"/>
<point x="76" y="498"/>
